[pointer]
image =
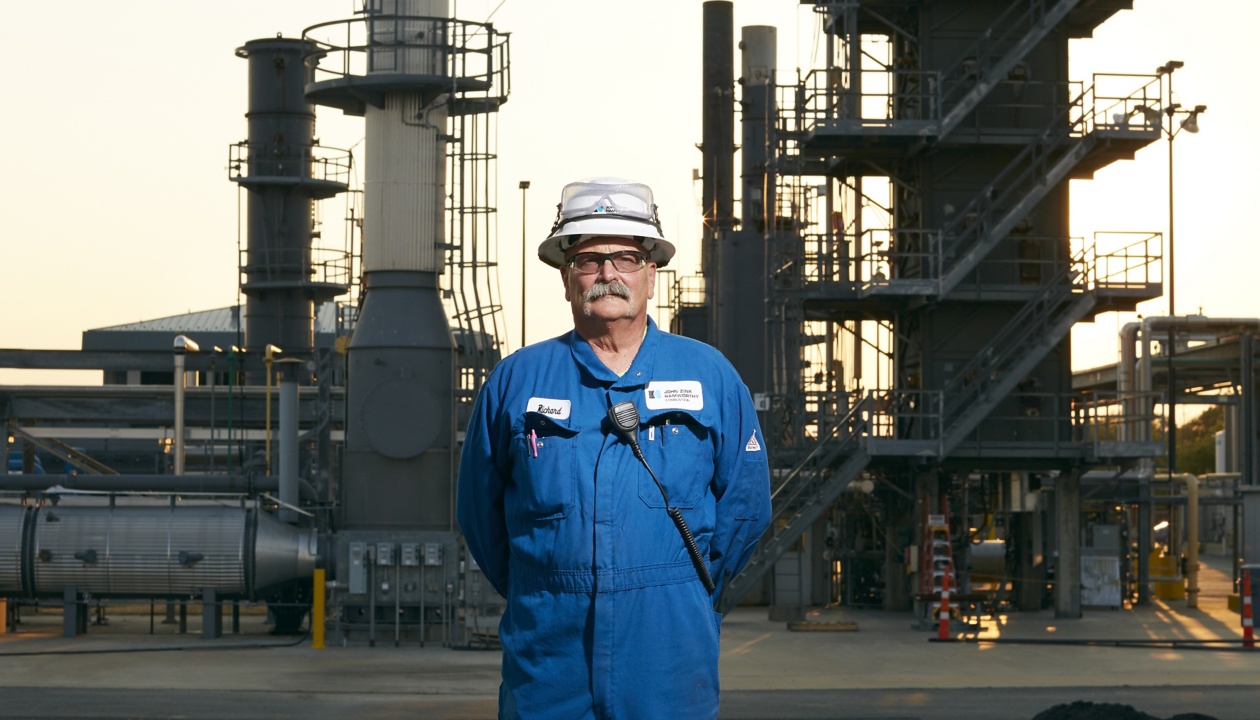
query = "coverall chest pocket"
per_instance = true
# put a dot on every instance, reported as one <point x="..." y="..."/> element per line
<point x="679" y="447"/>
<point x="544" y="476"/>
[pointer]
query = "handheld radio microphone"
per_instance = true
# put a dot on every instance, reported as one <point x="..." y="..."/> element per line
<point x="625" y="420"/>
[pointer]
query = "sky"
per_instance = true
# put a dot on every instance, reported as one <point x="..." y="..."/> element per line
<point x="118" y="116"/>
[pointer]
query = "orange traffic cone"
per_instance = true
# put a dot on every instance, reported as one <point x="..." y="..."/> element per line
<point x="942" y="623"/>
<point x="1249" y="637"/>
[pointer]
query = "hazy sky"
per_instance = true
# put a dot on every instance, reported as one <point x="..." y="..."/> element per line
<point x="118" y="117"/>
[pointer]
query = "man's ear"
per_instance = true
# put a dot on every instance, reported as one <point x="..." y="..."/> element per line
<point x="564" y="278"/>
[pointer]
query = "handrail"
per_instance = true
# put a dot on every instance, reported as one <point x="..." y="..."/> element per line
<point x="852" y="416"/>
<point x="973" y="378"/>
<point x="465" y="52"/>
<point x="308" y="162"/>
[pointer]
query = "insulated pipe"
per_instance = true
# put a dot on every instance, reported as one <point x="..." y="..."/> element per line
<point x="1134" y="407"/>
<point x="1192" y="533"/>
<point x="173" y="484"/>
<point x="1201" y="323"/>
<point x="183" y="346"/>
<point x="288" y="461"/>
<point x="244" y="484"/>
<point x="1142" y="331"/>
<point x="1190" y="323"/>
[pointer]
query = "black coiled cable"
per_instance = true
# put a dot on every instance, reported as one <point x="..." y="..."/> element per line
<point x="625" y="418"/>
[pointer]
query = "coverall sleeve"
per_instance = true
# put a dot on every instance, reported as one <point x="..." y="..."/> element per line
<point x="741" y="486"/>
<point x="483" y="473"/>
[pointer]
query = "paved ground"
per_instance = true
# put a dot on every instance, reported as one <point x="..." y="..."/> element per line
<point x="884" y="669"/>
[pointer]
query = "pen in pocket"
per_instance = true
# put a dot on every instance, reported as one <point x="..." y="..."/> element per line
<point x="533" y="442"/>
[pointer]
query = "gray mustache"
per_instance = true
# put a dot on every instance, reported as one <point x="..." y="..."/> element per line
<point x="614" y="287"/>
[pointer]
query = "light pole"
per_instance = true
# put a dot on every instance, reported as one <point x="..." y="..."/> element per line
<point x="524" y="185"/>
<point x="1190" y="123"/>
<point x="1171" y="128"/>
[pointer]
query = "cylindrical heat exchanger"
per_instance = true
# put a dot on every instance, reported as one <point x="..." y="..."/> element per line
<point x="145" y="552"/>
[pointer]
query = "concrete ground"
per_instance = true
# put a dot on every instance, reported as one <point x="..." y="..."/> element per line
<point x="1015" y="667"/>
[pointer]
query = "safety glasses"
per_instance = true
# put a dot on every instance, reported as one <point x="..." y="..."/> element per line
<point x="581" y="200"/>
<point x="589" y="263"/>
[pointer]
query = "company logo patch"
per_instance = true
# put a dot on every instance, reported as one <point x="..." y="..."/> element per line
<point x="753" y="445"/>
<point x="552" y="408"/>
<point x="683" y="394"/>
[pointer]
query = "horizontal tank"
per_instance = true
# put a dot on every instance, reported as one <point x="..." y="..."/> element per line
<point x="144" y="552"/>
<point x="12" y="523"/>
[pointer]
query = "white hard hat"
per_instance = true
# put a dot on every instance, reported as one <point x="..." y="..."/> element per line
<point x="606" y="206"/>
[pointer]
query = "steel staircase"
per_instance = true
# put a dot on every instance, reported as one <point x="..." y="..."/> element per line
<point x="991" y="215"/>
<point x="1013" y="353"/>
<point x="997" y="209"/>
<point x="1019" y="28"/>
<point x="85" y="464"/>
<point x="802" y="496"/>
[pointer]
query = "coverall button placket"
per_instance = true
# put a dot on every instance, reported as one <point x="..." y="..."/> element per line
<point x="615" y="467"/>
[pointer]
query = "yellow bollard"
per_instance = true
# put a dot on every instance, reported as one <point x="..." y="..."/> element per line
<point x="317" y="611"/>
<point x="4" y="615"/>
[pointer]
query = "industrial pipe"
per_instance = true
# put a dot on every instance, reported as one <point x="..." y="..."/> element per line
<point x="1133" y="333"/>
<point x="1192" y="532"/>
<point x="183" y="345"/>
<point x="269" y="356"/>
<point x="288" y="465"/>
<point x="175" y="485"/>
<point x="243" y="484"/>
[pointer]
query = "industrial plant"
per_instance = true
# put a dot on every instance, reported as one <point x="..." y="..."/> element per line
<point x="886" y="260"/>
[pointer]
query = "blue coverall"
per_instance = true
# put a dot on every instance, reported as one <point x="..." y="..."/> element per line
<point x="606" y="616"/>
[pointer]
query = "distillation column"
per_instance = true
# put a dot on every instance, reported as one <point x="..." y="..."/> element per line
<point x="406" y="66"/>
<point x="279" y="168"/>
<point x="399" y="461"/>
<point x="740" y="267"/>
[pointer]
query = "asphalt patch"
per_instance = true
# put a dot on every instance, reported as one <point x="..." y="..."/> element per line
<point x="1106" y="711"/>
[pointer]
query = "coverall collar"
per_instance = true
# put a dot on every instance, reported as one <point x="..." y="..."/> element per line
<point x="593" y="368"/>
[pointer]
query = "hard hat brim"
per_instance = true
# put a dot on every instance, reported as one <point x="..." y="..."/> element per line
<point x="552" y="250"/>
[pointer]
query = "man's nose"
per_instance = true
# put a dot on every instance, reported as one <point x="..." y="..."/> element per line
<point x="607" y="270"/>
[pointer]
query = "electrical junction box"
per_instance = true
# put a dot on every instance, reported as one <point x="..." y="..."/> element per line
<point x="433" y="554"/>
<point x="409" y="554"/>
<point x="385" y="554"/>
<point x="358" y="570"/>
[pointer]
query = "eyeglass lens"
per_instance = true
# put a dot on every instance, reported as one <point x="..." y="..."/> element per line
<point x="589" y="263"/>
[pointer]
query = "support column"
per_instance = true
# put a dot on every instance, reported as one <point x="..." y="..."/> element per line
<point x="74" y="613"/>
<point x="211" y="615"/>
<point x="1067" y="586"/>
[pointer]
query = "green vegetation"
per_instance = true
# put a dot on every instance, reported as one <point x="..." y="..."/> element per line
<point x="1196" y="441"/>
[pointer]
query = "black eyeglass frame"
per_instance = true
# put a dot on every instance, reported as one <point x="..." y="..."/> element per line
<point x="640" y="258"/>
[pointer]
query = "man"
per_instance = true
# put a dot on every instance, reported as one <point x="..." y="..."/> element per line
<point x="608" y="614"/>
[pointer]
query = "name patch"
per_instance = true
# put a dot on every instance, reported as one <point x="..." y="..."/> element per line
<point x="683" y="394"/>
<point x="552" y="408"/>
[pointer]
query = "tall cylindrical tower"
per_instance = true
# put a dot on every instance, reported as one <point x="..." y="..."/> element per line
<point x="717" y="103"/>
<point x="284" y="172"/>
<point x="406" y="68"/>
<point x="740" y="271"/>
